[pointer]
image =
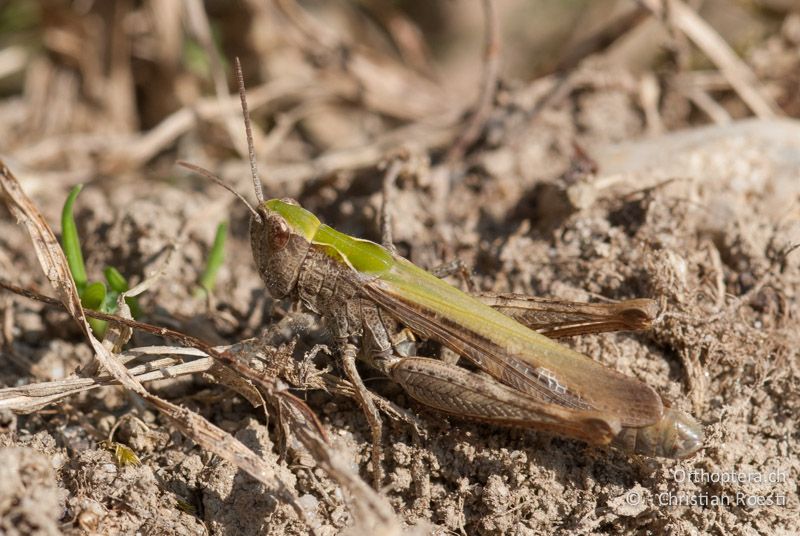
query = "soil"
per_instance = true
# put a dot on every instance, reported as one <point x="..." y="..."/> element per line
<point x="570" y="191"/>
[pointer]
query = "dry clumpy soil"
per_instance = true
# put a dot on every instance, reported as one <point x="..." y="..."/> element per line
<point x="700" y="220"/>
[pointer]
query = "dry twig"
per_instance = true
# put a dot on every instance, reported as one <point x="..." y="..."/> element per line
<point x="201" y="27"/>
<point x="491" y="69"/>
<point x="740" y="76"/>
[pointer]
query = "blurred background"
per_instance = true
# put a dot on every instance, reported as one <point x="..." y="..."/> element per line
<point x="94" y="87"/>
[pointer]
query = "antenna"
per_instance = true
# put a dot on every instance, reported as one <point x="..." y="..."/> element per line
<point x="207" y="174"/>
<point x="248" y="130"/>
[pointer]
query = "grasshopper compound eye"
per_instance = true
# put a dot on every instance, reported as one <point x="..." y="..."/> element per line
<point x="278" y="232"/>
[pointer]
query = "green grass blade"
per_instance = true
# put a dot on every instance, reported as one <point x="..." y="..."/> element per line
<point x="119" y="284"/>
<point x="116" y="281"/>
<point x="94" y="295"/>
<point x="98" y="327"/>
<point x="70" y="241"/>
<point x="215" y="258"/>
<point x="92" y="298"/>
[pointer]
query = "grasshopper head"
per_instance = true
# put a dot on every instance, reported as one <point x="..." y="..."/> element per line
<point x="280" y="237"/>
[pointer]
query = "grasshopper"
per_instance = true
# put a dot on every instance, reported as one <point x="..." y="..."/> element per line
<point x="362" y="290"/>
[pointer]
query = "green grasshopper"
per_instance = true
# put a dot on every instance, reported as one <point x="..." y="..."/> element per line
<point x="363" y="290"/>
